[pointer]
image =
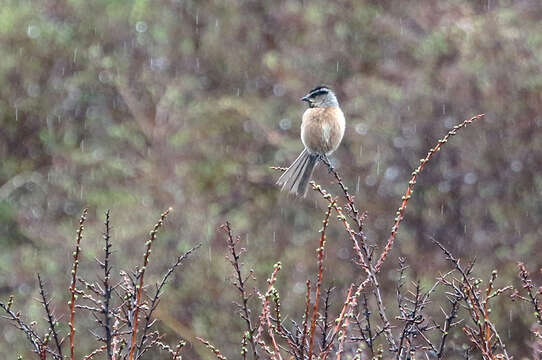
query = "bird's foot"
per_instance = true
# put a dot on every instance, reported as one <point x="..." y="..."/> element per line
<point x="327" y="161"/>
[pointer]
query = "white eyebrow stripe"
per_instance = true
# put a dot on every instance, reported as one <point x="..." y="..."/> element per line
<point x="319" y="90"/>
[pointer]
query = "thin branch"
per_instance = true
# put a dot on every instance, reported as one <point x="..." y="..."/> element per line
<point x="35" y="340"/>
<point x="528" y="285"/>
<point x="211" y="347"/>
<point x="50" y="317"/>
<point x="265" y="317"/>
<point x="95" y="352"/>
<point x="241" y="286"/>
<point x="306" y="318"/>
<point x="320" y="252"/>
<point x="325" y="318"/>
<point x="139" y="288"/>
<point x="107" y="284"/>
<point x="363" y="262"/>
<point x="410" y="189"/>
<point x="339" y="321"/>
<point x="73" y="290"/>
<point x="156" y="297"/>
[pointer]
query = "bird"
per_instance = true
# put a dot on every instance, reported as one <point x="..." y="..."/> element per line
<point x="322" y="130"/>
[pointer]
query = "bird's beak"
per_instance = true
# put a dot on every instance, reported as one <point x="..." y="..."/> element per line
<point x="305" y="98"/>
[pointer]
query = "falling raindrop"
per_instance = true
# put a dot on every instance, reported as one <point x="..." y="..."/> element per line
<point x="391" y="173"/>
<point x="361" y="128"/>
<point x="399" y="142"/>
<point x="33" y="31"/>
<point x="370" y="180"/>
<point x="470" y="178"/>
<point x="278" y="90"/>
<point x="141" y="26"/>
<point x="285" y="124"/>
<point x="104" y="76"/>
<point x="357" y="185"/>
<point x="75" y="55"/>
<point x="377" y="160"/>
<point x="16" y="113"/>
<point x="516" y="166"/>
<point x="33" y="90"/>
<point x="337" y="67"/>
<point x="274" y="236"/>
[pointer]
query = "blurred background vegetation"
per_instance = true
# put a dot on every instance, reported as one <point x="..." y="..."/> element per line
<point x="140" y="105"/>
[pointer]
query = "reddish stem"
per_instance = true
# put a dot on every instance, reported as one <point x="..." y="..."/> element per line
<point x="74" y="280"/>
<point x="139" y="289"/>
<point x="320" y="276"/>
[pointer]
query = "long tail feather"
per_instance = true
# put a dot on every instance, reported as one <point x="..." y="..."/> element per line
<point x="287" y="179"/>
<point x="296" y="179"/>
<point x="306" y="175"/>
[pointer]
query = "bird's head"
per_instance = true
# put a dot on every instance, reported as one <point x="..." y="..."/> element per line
<point x="321" y="96"/>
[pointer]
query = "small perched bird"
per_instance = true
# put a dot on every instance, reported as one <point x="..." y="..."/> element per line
<point x="322" y="130"/>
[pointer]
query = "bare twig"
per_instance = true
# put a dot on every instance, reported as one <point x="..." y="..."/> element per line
<point x="265" y="317"/>
<point x="95" y="352"/>
<point x="325" y="318"/>
<point x="339" y="322"/>
<point x="50" y="317"/>
<point x="320" y="252"/>
<point x="410" y="189"/>
<point x="484" y="332"/>
<point x="139" y="289"/>
<point x="211" y="347"/>
<point x="362" y="253"/>
<point x="528" y="285"/>
<point x="35" y="340"/>
<point x="73" y="290"/>
<point x="106" y="266"/>
<point x="306" y="318"/>
<point x="155" y="299"/>
<point x="240" y="284"/>
<point x="447" y="325"/>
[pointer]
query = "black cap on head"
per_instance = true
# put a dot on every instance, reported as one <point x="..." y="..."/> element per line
<point x="321" y="96"/>
<point x="321" y="89"/>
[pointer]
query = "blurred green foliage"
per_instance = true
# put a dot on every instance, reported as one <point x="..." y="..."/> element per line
<point x="141" y="105"/>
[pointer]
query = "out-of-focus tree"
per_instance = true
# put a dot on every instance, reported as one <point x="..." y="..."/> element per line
<point x="139" y="105"/>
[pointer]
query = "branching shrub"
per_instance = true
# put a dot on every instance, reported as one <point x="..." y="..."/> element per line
<point x="366" y="326"/>
<point x="122" y="310"/>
